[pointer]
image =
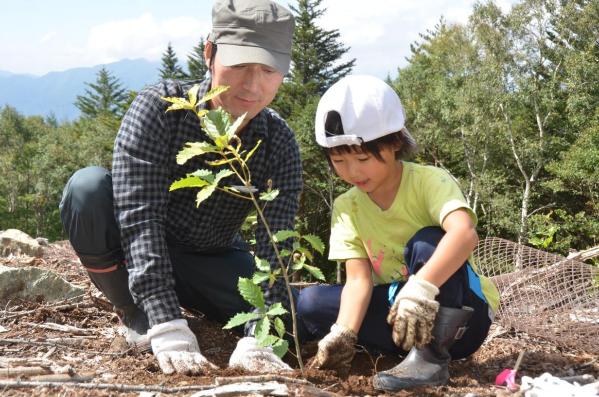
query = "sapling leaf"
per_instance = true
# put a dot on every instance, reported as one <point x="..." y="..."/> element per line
<point x="262" y="264"/>
<point x="279" y="326"/>
<point x="259" y="277"/>
<point x="283" y="235"/>
<point x="270" y="195"/>
<point x="204" y="174"/>
<point x="276" y="309"/>
<point x="315" y="242"/>
<point x="305" y="253"/>
<point x="215" y="124"/>
<point x="251" y="292"/>
<point x="222" y="174"/>
<point x="192" y="95"/>
<point x="177" y="103"/>
<point x="262" y="329"/>
<point x="285" y="253"/>
<point x="251" y="153"/>
<point x="214" y="93"/>
<point x="232" y="130"/>
<point x="241" y="318"/>
<point x="268" y="340"/>
<point x="280" y="347"/>
<point x="188" y="181"/>
<point x="316" y="272"/>
<point x="205" y="193"/>
<point x="193" y="149"/>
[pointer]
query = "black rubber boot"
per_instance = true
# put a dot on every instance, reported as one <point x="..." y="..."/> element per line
<point x="428" y="366"/>
<point x="115" y="286"/>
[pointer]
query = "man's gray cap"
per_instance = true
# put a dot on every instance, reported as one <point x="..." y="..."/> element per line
<point x="252" y="31"/>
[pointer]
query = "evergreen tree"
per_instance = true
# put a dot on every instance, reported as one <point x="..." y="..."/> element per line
<point x="170" y="65"/>
<point x="316" y="52"/>
<point x="196" y="64"/>
<point x="104" y="97"/>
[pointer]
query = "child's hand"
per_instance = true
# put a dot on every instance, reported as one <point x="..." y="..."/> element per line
<point x="412" y="315"/>
<point x="336" y="350"/>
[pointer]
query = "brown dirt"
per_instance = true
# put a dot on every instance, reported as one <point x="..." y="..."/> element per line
<point x="105" y="358"/>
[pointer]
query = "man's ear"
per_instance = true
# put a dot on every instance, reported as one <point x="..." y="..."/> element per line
<point x="208" y="54"/>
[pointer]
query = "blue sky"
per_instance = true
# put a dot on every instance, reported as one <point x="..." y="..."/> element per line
<point x="37" y="37"/>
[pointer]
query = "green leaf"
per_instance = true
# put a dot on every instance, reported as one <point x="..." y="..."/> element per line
<point x="251" y="292"/>
<point x="276" y="309"/>
<point x="177" y="103"/>
<point x="273" y="278"/>
<point x="205" y="193"/>
<point x="262" y="264"/>
<point x="259" y="277"/>
<point x="280" y="347"/>
<point x="305" y="253"/>
<point x="262" y="329"/>
<point x="251" y="153"/>
<point x="270" y="195"/>
<point x="315" y="242"/>
<point x="279" y="326"/>
<point x="232" y="130"/>
<point x="222" y="174"/>
<point x="241" y="318"/>
<point x="214" y="93"/>
<point x="283" y="235"/>
<point x="192" y="95"/>
<point x="268" y="340"/>
<point x="193" y="149"/>
<point x="316" y="272"/>
<point x="188" y="181"/>
<point x="204" y="174"/>
<point x="215" y="124"/>
<point x="285" y="253"/>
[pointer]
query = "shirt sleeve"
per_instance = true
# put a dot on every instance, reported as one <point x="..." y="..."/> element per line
<point x="280" y="213"/>
<point x="140" y="183"/>
<point x="344" y="242"/>
<point x="443" y="196"/>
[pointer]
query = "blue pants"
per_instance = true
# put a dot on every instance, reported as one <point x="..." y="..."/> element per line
<point x="205" y="281"/>
<point x="318" y="306"/>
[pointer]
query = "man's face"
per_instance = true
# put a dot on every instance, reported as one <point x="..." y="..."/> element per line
<point x="252" y="87"/>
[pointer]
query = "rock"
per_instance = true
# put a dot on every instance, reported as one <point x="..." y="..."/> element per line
<point x="42" y="241"/>
<point x="15" y="242"/>
<point x="34" y="284"/>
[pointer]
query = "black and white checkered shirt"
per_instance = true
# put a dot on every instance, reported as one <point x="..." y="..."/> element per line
<point x="143" y="168"/>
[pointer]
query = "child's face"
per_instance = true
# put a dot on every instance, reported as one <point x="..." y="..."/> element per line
<point x="365" y="171"/>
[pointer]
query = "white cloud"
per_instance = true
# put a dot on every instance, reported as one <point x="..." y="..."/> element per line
<point x="142" y="37"/>
<point x="47" y="37"/>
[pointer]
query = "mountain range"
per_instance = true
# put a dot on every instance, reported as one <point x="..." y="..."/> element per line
<point x="55" y="93"/>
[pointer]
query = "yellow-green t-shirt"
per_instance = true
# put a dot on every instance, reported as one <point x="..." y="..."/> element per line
<point x="361" y="229"/>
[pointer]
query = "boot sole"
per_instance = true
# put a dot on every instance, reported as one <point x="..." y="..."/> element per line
<point x="392" y="383"/>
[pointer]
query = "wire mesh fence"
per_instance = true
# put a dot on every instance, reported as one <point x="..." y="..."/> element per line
<point x="543" y="294"/>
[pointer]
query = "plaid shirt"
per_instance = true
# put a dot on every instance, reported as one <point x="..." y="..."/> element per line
<point x="143" y="168"/>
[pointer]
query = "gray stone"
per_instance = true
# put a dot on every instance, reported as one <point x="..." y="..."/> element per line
<point x="15" y="242"/>
<point x="34" y="284"/>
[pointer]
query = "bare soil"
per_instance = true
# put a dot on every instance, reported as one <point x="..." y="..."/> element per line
<point x="103" y="356"/>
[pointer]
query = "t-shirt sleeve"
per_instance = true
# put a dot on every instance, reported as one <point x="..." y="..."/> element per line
<point x="344" y="242"/>
<point x="443" y="196"/>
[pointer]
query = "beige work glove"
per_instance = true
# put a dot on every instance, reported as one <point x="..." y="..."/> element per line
<point x="176" y="348"/>
<point x="413" y="313"/>
<point x="336" y="350"/>
<point x="250" y="356"/>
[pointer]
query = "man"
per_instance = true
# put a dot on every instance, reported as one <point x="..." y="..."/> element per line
<point x="161" y="252"/>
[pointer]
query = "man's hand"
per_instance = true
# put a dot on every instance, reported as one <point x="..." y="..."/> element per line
<point x="250" y="356"/>
<point x="336" y="350"/>
<point x="413" y="313"/>
<point x="176" y="348"/>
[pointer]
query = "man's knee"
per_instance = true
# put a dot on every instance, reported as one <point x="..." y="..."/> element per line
<point x="87" y="189"/>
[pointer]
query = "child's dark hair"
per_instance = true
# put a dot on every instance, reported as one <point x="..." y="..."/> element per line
<point x="375" y="146"/>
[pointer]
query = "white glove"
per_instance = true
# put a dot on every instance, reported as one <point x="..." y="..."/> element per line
<point x="248" y="355"/>
<point x="176" y="348"/>
<point x="413" y="313"/>
<point x="337" y="349"/>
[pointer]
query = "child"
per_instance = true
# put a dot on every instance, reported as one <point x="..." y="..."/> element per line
<point x="406" y="234"/>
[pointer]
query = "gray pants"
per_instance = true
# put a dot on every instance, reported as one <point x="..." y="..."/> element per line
<point x="204" y="281"/>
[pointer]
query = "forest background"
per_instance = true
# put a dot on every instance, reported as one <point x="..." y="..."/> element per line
<point x="508" y="103"/>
